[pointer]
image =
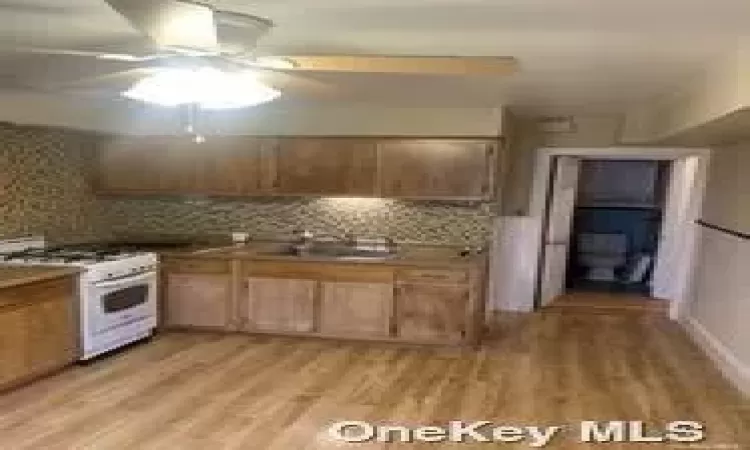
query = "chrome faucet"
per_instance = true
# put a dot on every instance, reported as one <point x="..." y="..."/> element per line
<point x="303" y="235"/>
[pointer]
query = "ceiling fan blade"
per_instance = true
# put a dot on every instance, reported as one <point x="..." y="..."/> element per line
<point x="175" y="25"/>
<point x="115" y="83"/>
<point x="23" y="7"/>
<point x="292" y="83"/>
<point x="124" y="57"/>
<point x="426" y="65"/>
<point x="239" y="33"/>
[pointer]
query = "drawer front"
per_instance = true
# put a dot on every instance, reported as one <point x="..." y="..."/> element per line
<point x="319" y="271"/>
<point x="288" y="270"/>
<point x="433" y="276"/>
<point x="36" y="292"/>
<point x="196" y="266"/>
<point x="356" y="273"/>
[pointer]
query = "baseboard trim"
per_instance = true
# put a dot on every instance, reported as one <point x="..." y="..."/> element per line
<point x="733" y="369"/>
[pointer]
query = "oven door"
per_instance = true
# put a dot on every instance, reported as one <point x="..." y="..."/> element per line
<point x="117" y="303"/>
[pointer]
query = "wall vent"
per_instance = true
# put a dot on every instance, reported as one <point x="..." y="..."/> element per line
<point x="556" y="124"/>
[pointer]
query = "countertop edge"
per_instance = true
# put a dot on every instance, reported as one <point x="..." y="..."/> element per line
<point x="225" y="253"/>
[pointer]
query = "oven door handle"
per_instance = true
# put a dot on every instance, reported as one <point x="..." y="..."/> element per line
<point x="148" y="276"/>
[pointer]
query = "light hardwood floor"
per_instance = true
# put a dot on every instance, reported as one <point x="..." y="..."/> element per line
<point x="211" y="392"/>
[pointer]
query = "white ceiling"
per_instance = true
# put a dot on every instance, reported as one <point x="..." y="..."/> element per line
<point x="597" y="55"/>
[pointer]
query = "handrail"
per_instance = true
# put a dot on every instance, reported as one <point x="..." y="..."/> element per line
<point x="738" y="234"/>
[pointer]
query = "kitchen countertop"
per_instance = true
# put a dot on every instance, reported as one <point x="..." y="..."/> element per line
<point x="11" y="276"/>
<point x="409" y="255"/>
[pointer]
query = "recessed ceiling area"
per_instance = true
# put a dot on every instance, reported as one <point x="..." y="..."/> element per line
<point x="574" y="55"/>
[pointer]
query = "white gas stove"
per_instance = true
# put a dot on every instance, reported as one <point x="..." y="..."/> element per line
<point x="118" y="289"/>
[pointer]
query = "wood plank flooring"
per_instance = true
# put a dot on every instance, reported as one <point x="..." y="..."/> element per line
<point x="213" y="392"/>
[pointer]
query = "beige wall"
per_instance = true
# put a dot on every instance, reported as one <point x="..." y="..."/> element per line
<point x="720" y="306"/>
<point x="591" y="131"/>
<point x="727" y="201"/>
<point x="722" y="89"/>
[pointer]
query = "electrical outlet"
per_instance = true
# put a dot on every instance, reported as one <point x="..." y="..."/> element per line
<point x="239" y="237"/>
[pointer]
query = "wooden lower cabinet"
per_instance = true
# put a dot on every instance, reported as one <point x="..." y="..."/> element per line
<point x="432" y="312"/>
<point x="37" y="330"/>
<point x="14" y="344"/>
<point x="198" y="300"/>
<point x="278" y="305"/>
<point x="356" y="309"/>
<point x="51" y="333"/>
<point x="349" y="301"/>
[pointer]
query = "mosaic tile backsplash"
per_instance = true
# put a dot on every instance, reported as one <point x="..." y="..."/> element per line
<point x="44" y="184"/>
<point x="45" y="188"/>
<point x="267" y="217"/>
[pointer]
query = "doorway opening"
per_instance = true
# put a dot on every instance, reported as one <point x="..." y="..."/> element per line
<point x="651" y="247"/>
<point x="616" y="225"/>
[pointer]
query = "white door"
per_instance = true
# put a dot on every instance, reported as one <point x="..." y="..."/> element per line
<point x="672" y="267"/>
<point x="562" y="201"/>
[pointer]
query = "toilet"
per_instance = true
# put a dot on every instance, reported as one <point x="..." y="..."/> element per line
<point x="602" y="254"/>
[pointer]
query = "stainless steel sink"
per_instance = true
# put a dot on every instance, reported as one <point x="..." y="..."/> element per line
<point x="331" y="251"/>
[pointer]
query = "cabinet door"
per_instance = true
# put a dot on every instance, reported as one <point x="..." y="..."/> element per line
<point x="13" y="344"/>
<point x="198" y="300"/>
<point x="148" y="164"/>
<point x="432" y="312"/>
<point x="50" y="334"/>
<point x="327" y="166"/>
<point x="234" y="165"/>
<point x="37" y="331"/>
<point x="436" y="168"/>
<point x="279" y="305"/>
<point x="127" y="164"/>
<point x="356" y="309"/>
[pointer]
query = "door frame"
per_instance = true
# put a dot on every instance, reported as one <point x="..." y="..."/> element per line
<point x="684" y="234"/>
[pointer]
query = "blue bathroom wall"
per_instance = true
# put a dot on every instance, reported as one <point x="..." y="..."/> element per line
<point x="640" y="225"/>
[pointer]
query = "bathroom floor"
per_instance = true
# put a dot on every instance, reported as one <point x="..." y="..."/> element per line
<point x="598" y="302"/>
<point x="585" y="285"/>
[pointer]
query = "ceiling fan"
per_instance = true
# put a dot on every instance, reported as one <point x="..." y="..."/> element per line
<point x="192" y="34"/>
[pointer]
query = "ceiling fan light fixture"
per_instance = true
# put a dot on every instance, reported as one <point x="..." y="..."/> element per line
<point x="206" y="87"/>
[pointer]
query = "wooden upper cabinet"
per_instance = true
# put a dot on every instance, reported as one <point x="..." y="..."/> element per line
<point x="134" y="164"/>
<point x="437" y="168"/>
<point x="326" y="166"/>
<point x="223" y="165"/>
<point x="234" y="165"/>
